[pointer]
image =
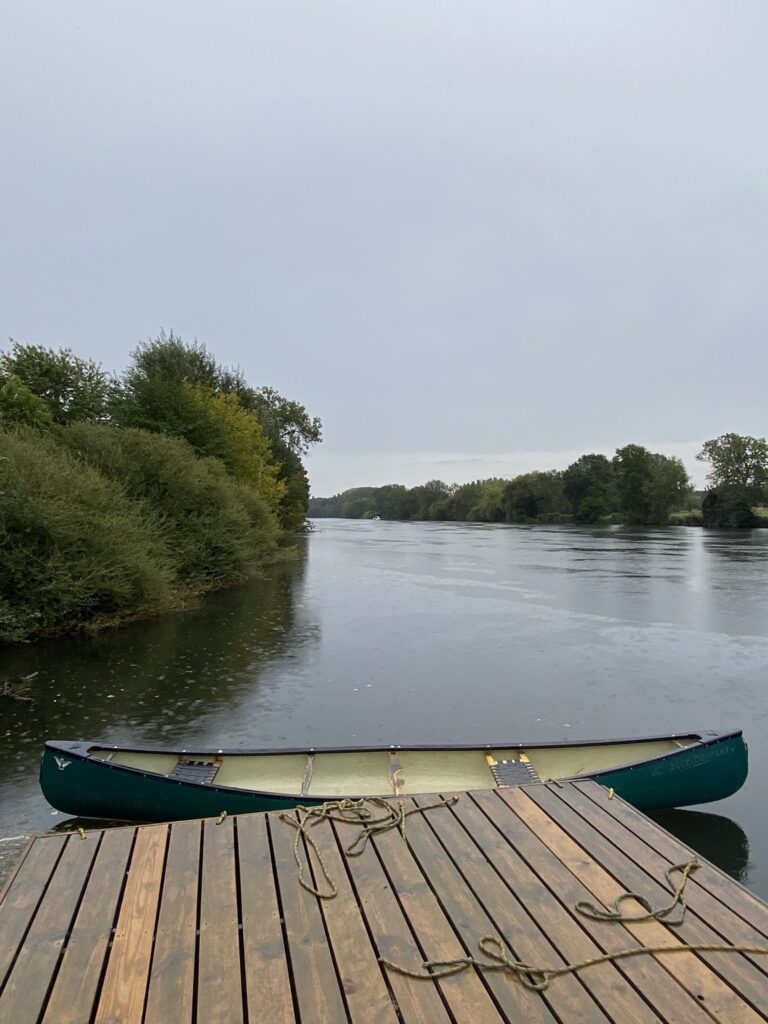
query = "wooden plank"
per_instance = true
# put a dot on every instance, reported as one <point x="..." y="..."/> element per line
<point x="123" y="993"/>
<point x="219" y="978"/>
<point x="15" y="869"/>
<point x="360" y="974"/>
<point x="28" y="983"/>
<point x="22" y="899"/>
<point x="465" y="994"/>
<point x="571" y="838"/>
<point x="479" y="903"/>
<point x="730" y="927"/>
<point x="666" y="997"/>
<point x="77" y="982"/>
<point x="312" y="967"/>
<point x="170" y="995"/>
<point x="267" y="984"/>
<point x="535" y="924"/>
<point x="728" y="891"/>
<point x="419" y="1002"/>
<point x="742" y="974"/>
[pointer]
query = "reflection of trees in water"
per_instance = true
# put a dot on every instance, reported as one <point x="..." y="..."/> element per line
<point x="153" y="680"/>
<point x="737" y="546"/>
<point x="715" y="838"/>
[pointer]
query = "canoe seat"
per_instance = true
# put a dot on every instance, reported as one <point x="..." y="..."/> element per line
<point x="201" y="772"/>
<point x="513" y="773"/>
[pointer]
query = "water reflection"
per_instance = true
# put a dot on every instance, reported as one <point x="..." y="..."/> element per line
<point x="148" y="683"/>
<point x="712" y="836"/>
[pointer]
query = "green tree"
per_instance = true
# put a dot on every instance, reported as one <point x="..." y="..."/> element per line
<point x="73" y="389"/>
<point x="649" y="485"/>
<point x="670" y="487"/>
<point x="156" y="396"/>
<point x="589" y="485"/>
<point x="737" y="461"/>
<point x="535" y="496"/>
<point x="633" y="465"/>
<point x="18" y="405"/>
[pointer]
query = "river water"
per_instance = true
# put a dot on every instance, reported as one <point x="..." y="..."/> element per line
<point x="429" y="632"/>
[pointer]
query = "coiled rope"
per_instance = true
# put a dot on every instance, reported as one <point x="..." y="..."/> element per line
<point x="349" y="812"/>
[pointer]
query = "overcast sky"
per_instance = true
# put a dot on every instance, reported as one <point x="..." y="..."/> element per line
<point x="475" y="237"/>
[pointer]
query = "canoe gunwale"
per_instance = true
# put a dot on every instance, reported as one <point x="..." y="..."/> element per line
<point x="80" y="750"/>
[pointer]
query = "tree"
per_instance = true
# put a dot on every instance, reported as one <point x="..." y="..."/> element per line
<point x="73" y="389"/>
<point x="589" y="485"/>
<point x="669" y="488"/>
<point x="156" y="396"/>
<point x="533" y="496"/>
<point x="19" y="406"/>
<point x="649" y="485"/>
<point x="737" y="461"/>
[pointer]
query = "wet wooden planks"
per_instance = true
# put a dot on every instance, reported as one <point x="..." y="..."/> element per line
<point x="204" y="921"/>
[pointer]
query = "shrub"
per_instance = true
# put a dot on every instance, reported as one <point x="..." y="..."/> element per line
<point x="73" y="545"/>
<point x="217" y="529"/>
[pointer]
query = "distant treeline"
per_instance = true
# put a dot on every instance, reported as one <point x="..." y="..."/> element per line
<point x="122" y="496"/>
<point x="635" y="487"/>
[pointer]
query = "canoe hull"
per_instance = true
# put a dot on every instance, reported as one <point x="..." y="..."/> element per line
<point x="93" y="788"/>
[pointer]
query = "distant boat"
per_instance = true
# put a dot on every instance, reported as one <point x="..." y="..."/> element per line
<point x="93" y="780"/>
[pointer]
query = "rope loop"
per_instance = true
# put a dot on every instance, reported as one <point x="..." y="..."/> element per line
<point x="349" y="812"/>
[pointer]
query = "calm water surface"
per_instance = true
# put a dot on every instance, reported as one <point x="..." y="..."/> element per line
<point x="405" y="633"/>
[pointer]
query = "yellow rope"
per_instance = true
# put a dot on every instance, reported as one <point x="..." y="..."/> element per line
<point x="499" y="958"/>
<point x="349" y="812"/>
<point x="615" y="913"/>
<point x="538" y="978"/>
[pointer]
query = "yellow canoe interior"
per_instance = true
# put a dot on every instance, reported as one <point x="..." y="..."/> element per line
<point x="384" y="772"/>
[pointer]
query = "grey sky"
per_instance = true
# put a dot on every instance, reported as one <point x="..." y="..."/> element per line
<point x="474" y="237"/>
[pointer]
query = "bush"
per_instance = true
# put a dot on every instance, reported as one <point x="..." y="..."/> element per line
<point x="73" y="545"/>
<point x="728" y="508"/>
<point x="217" y="529"/>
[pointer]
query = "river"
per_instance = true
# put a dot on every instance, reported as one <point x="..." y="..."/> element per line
<point x="432" y="632"/>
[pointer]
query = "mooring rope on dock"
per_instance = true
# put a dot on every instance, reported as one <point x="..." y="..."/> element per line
<point x="349" y="812"/>
<point x="538" y="978"/>
<point x="500" y="958"/>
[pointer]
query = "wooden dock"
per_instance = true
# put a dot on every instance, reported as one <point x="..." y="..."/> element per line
<point x="205" y="923"/>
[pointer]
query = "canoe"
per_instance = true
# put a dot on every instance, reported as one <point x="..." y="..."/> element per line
<point x="93" y="780"/>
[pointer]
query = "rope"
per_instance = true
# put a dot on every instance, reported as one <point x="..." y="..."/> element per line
<point x="615" y="913"/>
<point x="349" y="812"/>
<point x="499" y="957"/>
<point x="538" y="978"/>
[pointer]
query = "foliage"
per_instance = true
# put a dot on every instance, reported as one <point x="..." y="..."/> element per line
<point x="177" y="388"/>
<point x="533" y="496"/>
<point x="649" y="485"/>
<point x="589" y="485"/>
<point x="737" y="461"/>
<point x="19" y="406"/>
<point x="73" y="545"/>
<point x="72" y="388"/>
<point x="728" y="508"/>
<point x="216" y="530"/>
<point x="284" y="419"/>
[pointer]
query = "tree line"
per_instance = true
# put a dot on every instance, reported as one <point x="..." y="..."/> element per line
<point x="122" y="495"/>
<point x="635" y="487"/>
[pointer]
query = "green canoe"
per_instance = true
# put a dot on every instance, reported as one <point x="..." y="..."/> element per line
<point x="93" y="780"/>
